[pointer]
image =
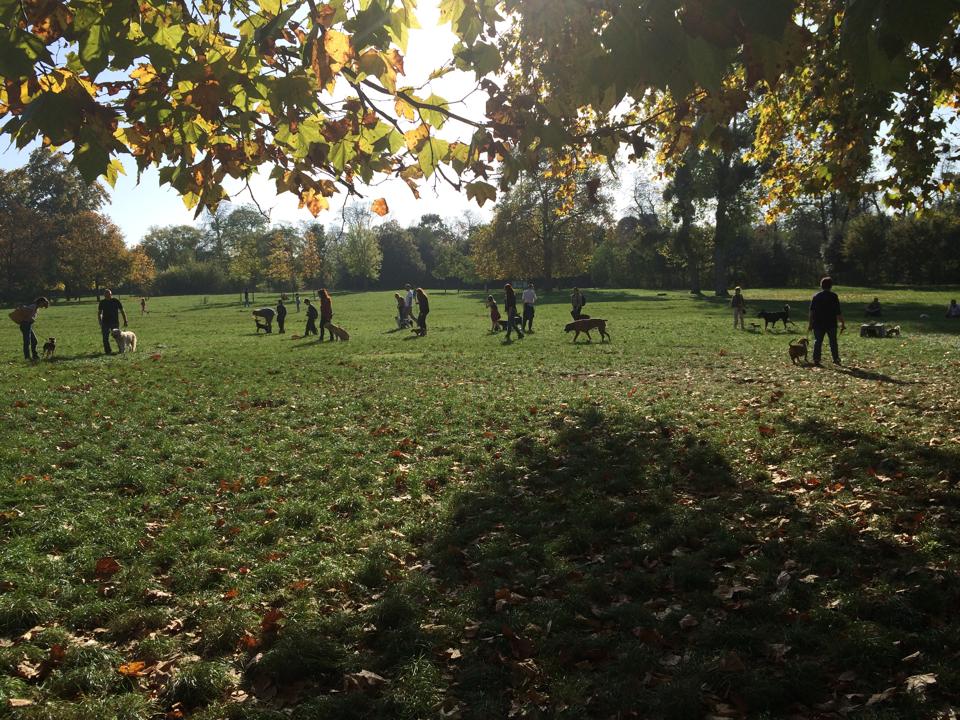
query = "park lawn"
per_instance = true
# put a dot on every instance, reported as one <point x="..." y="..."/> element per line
<point x="676" y="524"/>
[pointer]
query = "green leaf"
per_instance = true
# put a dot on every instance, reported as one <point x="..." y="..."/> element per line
<point x="20" y="52"/>
<point x="433" y="152"/>
<point x="481" y="192"/>
<point x="434" y="118"/>
<point x="169" y="37"/>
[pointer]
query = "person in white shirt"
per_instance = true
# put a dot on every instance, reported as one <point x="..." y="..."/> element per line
<point x="529" y="298"/>
<point x="408" y="301"/>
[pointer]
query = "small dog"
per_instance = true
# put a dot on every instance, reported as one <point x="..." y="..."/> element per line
<point x="338" y="332"/>
<point x="263" y="326"/>
<point x="772" y="318"/>
<point x="49" y="347"/>
<point x="585" y="326"/>
<point x="798" y="349"/>
<point x="891" y="332"/>
<point x="126" y="340"/>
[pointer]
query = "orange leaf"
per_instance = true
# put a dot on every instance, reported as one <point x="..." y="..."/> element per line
<point x="231" y="594"/>
<point x="271" y="621"/>
<point x="380" y="207"/>
<point x="766" y="430"/>
<point x="132" y="669"/>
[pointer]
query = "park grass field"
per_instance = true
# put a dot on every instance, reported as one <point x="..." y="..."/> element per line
<point x="676" y="524"/>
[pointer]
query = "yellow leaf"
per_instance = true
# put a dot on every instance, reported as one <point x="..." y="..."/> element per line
<point x="404" y="109"/>
<point x="416" y="138"/>
<point x="337" y="46"/>
<point x="132" y="669"/>
<point x="380" y="207"/>
<point x="313" y="201"/>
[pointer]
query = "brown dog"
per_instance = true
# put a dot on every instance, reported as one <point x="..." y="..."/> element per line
<point x="798" y="349"/>
<point x="585" y="326"/>
<point x="338" y="332"/>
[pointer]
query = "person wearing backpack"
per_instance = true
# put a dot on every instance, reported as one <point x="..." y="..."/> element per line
<point x="577" y="300"/>
<point x="25" y="316"/>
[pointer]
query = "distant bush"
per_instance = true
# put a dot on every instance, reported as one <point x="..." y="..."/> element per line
<point x="192" y="278"/>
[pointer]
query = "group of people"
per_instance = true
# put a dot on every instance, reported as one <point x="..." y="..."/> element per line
<point x="529" y="300"/>
<point x="265" y="316"/>
<point x="405" y="303"/>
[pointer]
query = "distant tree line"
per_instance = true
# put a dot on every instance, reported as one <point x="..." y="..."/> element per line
<point x="700" y="229"/>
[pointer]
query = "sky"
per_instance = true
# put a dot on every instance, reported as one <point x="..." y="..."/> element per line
<point x="135" y="207"/>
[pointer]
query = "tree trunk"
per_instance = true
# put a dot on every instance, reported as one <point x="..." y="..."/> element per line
<point x="721" y="240"/>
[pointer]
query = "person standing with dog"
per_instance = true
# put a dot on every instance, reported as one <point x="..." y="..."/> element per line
<point x="825" y="313"/>
<point x="326" y="313"/>
<point x="25" y="316"/>
<point x="577" y="301"/>
<point x="281" y="315"/>
<point x="312" y="315"/>
<point x="423" y="305"/>
<point x="510" y="308"/>
<point x="739" y="306"/>
<point x="529" y="300"/>
<point x="108" y="314"/>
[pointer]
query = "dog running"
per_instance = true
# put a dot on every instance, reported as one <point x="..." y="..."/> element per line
<point x="126" y="340"/>
<point x="585" y="326"/>
<point x="49" y="347"/>
<point x="772" y="318"/>
<point x="797" y="350"/>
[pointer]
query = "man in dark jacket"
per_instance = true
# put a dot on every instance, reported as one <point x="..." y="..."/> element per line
<point x="312" y="316"/>
<point x="281" y="315"/>
<point x="825" y="313"/>
<point x="108" y="314"/>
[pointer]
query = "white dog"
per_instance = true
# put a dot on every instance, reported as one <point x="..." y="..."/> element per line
<point x="126" y="339"/>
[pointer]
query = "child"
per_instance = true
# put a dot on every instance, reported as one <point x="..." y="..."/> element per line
<point x="494" y="313"/>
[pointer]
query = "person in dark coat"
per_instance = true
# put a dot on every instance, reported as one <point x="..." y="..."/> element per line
<point x="510" y="309"/>
<point x="423" y="304"/>
<point x="312" y="316"/>
<point x="109" y="311"/>
<point x="281" y="315"/>
<point x="825" y="313"/>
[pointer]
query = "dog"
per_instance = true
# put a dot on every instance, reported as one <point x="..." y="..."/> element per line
<point x="585" y="326"/>
<point x="772" y="318"/>
<point x="891" y="332"/>
<point x="338" y="332"/>
<point x="49" y="347"/>
<point x="798" y="349"/>
<point x="262" y="326"/>
<point x="126" y="340"/>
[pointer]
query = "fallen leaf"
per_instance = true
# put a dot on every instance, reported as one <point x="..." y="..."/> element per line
<point x="106" y="568"/>
<point x="132" y="669"/>
<point x="688" y="621"/>
<point x="19" y="702"/>
<point x="918" y="683"/>
<point x="362" y="681"/>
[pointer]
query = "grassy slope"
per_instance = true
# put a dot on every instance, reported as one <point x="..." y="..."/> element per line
<point x="674" y="524"/>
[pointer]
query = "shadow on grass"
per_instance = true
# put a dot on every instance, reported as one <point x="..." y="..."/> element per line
<point x="594" y="297"/>
<point x="76" y="356"/>
<point x="862" y="374"/>
<point x="621" y="562"/>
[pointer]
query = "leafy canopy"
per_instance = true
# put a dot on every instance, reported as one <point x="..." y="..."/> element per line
<point x="313" y="91"/>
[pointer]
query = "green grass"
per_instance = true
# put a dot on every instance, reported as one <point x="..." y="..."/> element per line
<point x="674" y="524"/>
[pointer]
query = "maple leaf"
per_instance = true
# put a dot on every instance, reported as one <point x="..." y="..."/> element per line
<point x="132" y="669"/>
<point x="106" y="568"/>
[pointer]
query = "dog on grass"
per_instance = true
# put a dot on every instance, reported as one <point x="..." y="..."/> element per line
<point x="585" y="326"/>
<point x="126" y="340"/>
<point x="338" y="332"/>
<point x="49" y="347"/>
<point x="891" y="332"/>
<point x="797" y="350"/>
<point x="772" y="318"/>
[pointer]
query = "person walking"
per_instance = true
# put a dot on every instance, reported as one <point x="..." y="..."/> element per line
<point x="281" y="315"/>
<point x="577" y="301"/>
<point x="326" y="313"/>
<point x="408" y="301"/>
<point x="143" y="306"/>
<point x="246" y="298"/>
<point x="423" y="305"/>
<point x="109" y="311"/>
<point x="825" y="313"/>
<point x="494" y="314"/>
<point x="312" y="316"/>
<point x="529" y="299"/>
<point x="739" y="306"/>
<point x="401" y="311"/>
<point x="25" y="316"/>
<point x="510" y="308"/>
<point x="296" y="299"/>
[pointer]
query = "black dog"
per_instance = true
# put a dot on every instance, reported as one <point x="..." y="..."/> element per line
<point x="772" y="318"/>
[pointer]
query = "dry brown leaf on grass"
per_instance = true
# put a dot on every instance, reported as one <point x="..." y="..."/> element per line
<point x="106" y="568"/>
<point x="362" y="681"/>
